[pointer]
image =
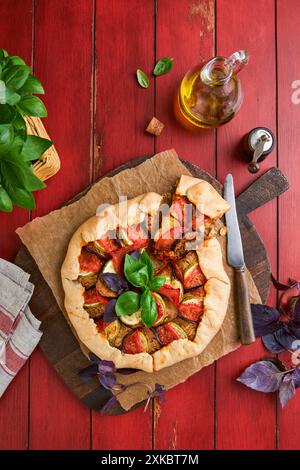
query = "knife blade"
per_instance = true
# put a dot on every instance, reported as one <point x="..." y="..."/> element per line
<point x="235" y="254"/>
<point x="235" y="258"/>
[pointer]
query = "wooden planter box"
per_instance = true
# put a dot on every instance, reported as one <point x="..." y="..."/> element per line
<point x="49" y="163"/>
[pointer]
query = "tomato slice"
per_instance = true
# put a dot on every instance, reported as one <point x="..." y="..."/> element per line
<point x="192" y="312"/>
<point x="92" y="296"/>
<point x="101" y="325"/>
<point x="172" y="294"/>
<point x="193" y="277"/>
<point x="178" y="206"/>
<point x="137" y="235"/>
<point x="166" y="241"/>
<point x="89" y="262"/>
<point x="169" y="332"/>
<point x="135" y="343"/>
<point x="160" y="309"/>
<point x="108" y="244"/>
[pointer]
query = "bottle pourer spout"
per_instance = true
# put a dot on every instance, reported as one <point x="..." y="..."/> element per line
<point x="237" y="61"/>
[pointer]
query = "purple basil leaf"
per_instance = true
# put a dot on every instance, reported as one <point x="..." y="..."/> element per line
<point x="127" y="371"/>
<point x="114" y="282"/>
<point x="93" y="358"/>
<point x="263" y="376"/>
<point x="88" y="373"/>
<point x="112" y="401"/>
<point x="295" y="322"/>
<point x="107" y="381"/>
<point x="281" y="340"/>
<point x="296" y="377"/>
<point x="135" y="254"/>
<point x="109" y="313"/>
<point x="106" y="367"/>
<point x="265" y="319"/>
<point x="279" y="285"/>
<point x="287" y="389"/>
<point x="271" y="343"/>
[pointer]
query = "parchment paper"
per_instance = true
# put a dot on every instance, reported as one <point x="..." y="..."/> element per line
<point x="47" y="239"/>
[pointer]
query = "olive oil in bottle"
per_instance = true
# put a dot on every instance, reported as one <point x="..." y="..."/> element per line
<point x="210" y="95"/>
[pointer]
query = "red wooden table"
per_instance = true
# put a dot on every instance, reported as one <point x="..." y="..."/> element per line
<point x="86" y="53"/>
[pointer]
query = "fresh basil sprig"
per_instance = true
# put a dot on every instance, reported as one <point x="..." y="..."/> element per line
<point x="17" y="148"/>
<point x="139" y="272"/>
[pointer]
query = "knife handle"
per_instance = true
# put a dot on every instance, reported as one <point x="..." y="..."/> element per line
<point x="265" y="188"/>
<point x="247" y="335"/>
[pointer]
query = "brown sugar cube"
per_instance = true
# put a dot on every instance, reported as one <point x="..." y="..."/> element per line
<point x="155" y="127"/>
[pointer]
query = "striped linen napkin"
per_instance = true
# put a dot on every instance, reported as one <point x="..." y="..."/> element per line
<point x="19" y="329"/>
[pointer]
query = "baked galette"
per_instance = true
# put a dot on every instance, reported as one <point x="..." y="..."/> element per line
<point x="146" y="287"/>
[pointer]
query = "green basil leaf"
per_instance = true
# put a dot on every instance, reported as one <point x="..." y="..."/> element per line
<point x="142" y="78"/>
<point x="145" y="258"/>
<point x="16" y="76"/>
<point x="157" y="282"/>
<point x="2" y="92"/>
<point x="34" y="147"/>
<point x="163" y="66"/>
<point x="30" y="180"/>
<point x="6" y="135"/>
<point x="21" y="197"/>
<point x="19" y="173"/>
<point x="7" y="113"/>
<point x="19" y="126"/>
<point x="32" y="106"/>
<point x="11" y="175"/>
<point x="127" y="303"/>
<point x="139" y="278"/>
<point x="32" y="85"/>
<point x="131" y="265"/>
<point x="3" y="54"/>
<point x="149" y="308"/>
<point x="11" y="97"/>
<point x="5" y="201"/>
<point x="15" y="60"/>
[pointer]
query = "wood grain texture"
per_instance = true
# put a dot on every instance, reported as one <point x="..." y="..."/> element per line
<point x="15" y="16"/>
<point x="124" y="42"/>
<point x="185" y="32"/>
<point x="240" y="411"/>
<point x="288" y="15"/>
<point x="63" y="52"/>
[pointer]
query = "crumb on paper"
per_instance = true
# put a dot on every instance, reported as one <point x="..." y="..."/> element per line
<point x="155" y="127"/>
<point x="223" y="231"/>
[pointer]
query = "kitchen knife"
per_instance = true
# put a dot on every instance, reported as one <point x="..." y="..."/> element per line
<point x="235" y="258"/>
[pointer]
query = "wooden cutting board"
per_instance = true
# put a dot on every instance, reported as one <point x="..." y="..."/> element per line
<point x="58" y="342"/>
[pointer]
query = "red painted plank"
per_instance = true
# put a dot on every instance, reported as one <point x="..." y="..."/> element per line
<point x="288" y="17"/>
<point x="186" y="33"/>
<point x="124" y="42"/>
<point x="63" y="61"/>
<point x="58" y="420"/>
<point x="15" y="36"/>
<point x="240" y="411"/>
